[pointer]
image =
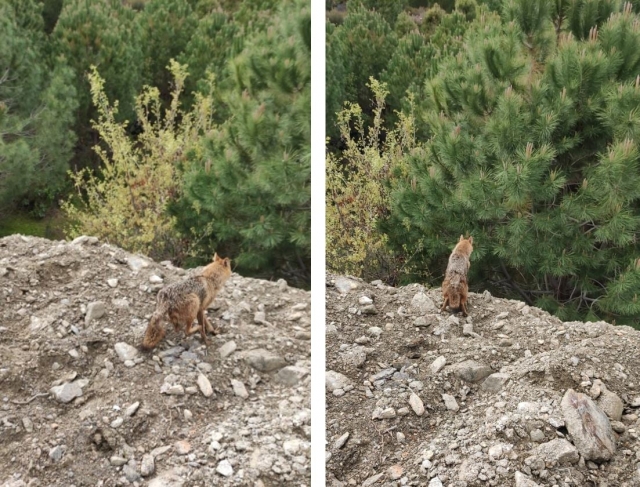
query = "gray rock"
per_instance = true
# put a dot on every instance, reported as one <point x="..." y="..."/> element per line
<point x="239" y="389"/>
<point x="95" y="310"/>
<point x="27" y="424"/>
<point x="471" y="371"/>
<point x="588" y="426"/>
<point x="344" y="285"/>
<point x="523" y="481"/>
<point x="85" y="240"/>
<point x="422" y="304"/>
<point x="611" y="404"/>
<point x="148" y="465"/>
<point x="136" y="263"/>
<point x="282" y="285"/>
<point x="205" y="385"/>
<point x="125" y="351"/>
<point x="291" y="375"/>
<point x="263" y="360"/>
<point x="435" y="482"/>
<point x="172" y="389"/>
<point x="395" y="471"/>
<point x="130" y="472"/>
<point x="494" y="382"/>
<point x="372" y="480"/>
<point x="354" y="356"/>
<point x="364" y="300"/>
<point x="336" y="380"/>
<point x="67" y="392"/>
<point x="224" y="468"/>
<point x="558" y="451"/>
<point x="421" y="322"/>
<point x="112" y="282"/>
<point x="155" y="279"/>
<point x="450" y="402"/>
<point x="537" y="435"/>
<point x="416" y="404"/>
<point x="369" y="310"/>
<point x="227" y="349"/>
<point x="117" y="461"/>
<point x="383" y="374"/>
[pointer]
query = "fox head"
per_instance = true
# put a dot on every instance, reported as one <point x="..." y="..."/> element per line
<point x="219" y="266"/>
<point x="465" y="245"/>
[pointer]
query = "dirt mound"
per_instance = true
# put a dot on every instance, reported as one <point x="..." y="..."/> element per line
<point x="508" y="396"/>
<point x="81" y="405"/>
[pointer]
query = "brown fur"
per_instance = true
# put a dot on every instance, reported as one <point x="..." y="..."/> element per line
<point x="455" y="287"/>
<point x="184" y="302"/>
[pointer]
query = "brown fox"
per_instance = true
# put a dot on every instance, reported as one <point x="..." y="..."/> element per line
<point x="185" y="301"/>
<point x="454" y="286"/>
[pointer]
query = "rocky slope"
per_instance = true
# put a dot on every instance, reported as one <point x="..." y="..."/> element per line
<point x="80" y="405"/>
<point x="508" y="396"/>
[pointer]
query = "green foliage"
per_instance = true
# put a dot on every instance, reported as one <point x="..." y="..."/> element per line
<point x="388" y="9"/>
<point x="359" y="48"/>
<point x="247" y="193"/>
<point x="126" y="203"/>
<point x="36" y="113"/>
<point x="533" y="151"/>
<point x="166" y="26"/>
<point x="359" y="181"/>
<point x="100" y="33"/>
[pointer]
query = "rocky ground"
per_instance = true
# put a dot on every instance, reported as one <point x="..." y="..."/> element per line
<point x="508" y="396"/>
<point x="81" y="405"/>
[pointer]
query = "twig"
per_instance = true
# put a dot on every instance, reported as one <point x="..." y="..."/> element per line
<point x="22" y="403"/>
<point x="514" y="285"/>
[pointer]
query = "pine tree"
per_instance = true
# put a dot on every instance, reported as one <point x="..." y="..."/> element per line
<point x="533" y="151"/>
<point x="247" y="194"/>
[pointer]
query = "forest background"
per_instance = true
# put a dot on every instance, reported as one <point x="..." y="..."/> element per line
<point x="174" y="128"/>
<point x="514" y="121"/>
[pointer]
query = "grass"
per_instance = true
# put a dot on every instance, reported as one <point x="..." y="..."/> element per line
<point x="48" y="227"/>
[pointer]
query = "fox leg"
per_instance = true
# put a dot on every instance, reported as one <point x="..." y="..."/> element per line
<point x="446" y="302"/>
<point x="202" y="318"/>
<point x="463" y="307"/>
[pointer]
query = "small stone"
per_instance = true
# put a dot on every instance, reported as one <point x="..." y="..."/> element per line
<point x="112" y="282"/>
<point x="495" y="382"/>
<point x="205" y="385"/>
<point x="117" y="461"/>
<point x="291" y="375"/>
<point x="375" y="331"/>
<point x="260" y="317"/>
<point x="147" y="466"/>
<point x="263" y="360"/>
<point x="422" y="304"/>
<point x="537" y="435"/>
<point x="95" y="311"/>
<point x="224" y="468"/>
<point x="437" y="364"/>
<point x="344" y="285"/>
<point x="558" y="451"/>
<point x="416" y="404"/>
<point x="340" y="442"/>
<point x="125" y="351"/>
<point x="472" y="371"/>
<point x="188" y="415"/>
<point x="523" y="481"/>
<point x="67" y="392"/>
<point x="74" y="353"/>
<point x="116" y="423"/>
<point x="182" y="447"/>
<point x="154" y="279"/>
<point x="130" y="472"/>
<point x="400" y="437"/>
<point x="336" y="380"/>
<point x="611" y="404"/>
<point x="435" y="482"/>
<point x="364" y="300"/>
<point x="136" y="263"/>
<point x="27" y="424"/>
<point x="372" y="480"/>
<point x="369" y="310"/>
<point x="388" y="413"/>
<point x="131" y="410"/>
<point x="56" y="453"/>
<point x="395" y="472"/>
<point x="172" y="389"/>
<point x="227" y="349"/>
<point x="239" y="389"/>
<point x="450" y="402"/>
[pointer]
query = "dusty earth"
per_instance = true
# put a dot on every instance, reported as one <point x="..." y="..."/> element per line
<point x="419" y="397"/>
<point x="81" y="405"/>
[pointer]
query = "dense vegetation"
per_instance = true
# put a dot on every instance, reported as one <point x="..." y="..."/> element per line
<point x="515" y="121"/>
<point x="171" y="127"/>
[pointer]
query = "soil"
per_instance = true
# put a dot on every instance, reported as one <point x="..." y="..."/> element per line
<point x="382" y="343"/>
<point x="235" y="412"/>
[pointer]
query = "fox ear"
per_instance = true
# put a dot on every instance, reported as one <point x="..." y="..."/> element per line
<point x="226" y="262"/>
<point x="215" y="257"/>
<point x="461" y="238"/>
<point x="470" y="239"/>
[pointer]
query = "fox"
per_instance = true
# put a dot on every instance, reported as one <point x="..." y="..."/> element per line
<point x="185" y="301"/>
<point x="455" y="287"/>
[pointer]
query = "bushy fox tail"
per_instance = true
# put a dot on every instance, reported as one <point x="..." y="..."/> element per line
<point x="155" y="331"/>
<point x="455" y="292"/>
